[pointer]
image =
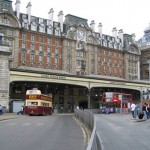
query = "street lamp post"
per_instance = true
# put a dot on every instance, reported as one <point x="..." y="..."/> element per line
<point x="89" y="96"/>
<point x="120" y="98"/>
<point x="89" y="99"/>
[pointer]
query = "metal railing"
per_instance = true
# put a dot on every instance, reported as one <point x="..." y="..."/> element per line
<point x="87" y="117"/>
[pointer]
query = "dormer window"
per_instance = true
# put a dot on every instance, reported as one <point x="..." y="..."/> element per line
<point x="42" y="28"/>
<point x="115" y="46"/>
<point x="110" y="45"/>
<point x="33" y="26"/>
<point x="25" y="23"/>
<point x="104" y="43"/>
<point x="48" y="22"/>
<point x="49" y="30"/>
<point x="57" y="32"/>
<point x="41" y="20"/>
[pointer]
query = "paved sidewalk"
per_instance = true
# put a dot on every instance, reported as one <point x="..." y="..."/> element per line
<point x="7" y="116"/>
<point x="121" y="132"/>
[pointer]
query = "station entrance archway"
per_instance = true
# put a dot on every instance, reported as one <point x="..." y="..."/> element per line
<point x="66" y="97"/>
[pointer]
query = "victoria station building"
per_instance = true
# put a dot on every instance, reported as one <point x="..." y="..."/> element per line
<point x="67" y="58"/>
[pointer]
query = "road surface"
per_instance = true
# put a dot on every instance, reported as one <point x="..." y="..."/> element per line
<point x="56" y="132"/>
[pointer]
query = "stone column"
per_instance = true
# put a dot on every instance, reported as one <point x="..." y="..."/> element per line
<point x="4" y="76"/>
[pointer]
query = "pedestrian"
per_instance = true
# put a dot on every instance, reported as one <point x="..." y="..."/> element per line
<point x="124" y="108"/>
<point x="138" y="108"/>
<point x="1" y="110"/>
<point x="144" y="111"/>
<point x="133" y="106"/>
<point x="148" y="111"/>
<point x="21" y="111"/>
<point x="77" y="107"/>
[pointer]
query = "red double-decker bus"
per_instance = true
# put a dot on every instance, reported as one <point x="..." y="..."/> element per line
<point x="38" y="103"/>
<point x="113" y="101"/>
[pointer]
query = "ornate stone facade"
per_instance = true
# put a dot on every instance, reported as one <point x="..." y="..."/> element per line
<point x="4" y="76"/>
<point x="70" y="45"/>
<point x="144" y="46"/>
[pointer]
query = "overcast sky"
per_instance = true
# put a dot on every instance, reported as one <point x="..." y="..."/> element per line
<point x="133" y="16"/>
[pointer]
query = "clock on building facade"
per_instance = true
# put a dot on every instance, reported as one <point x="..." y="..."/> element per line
<point x="81" y="34"/>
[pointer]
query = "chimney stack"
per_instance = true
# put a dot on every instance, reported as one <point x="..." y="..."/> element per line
<point x="92" y="25"/>
<point x="29" y="12"/>
<point x="51" y="12"/>
<point x="114" y="33"/>
<point x="100" y="29"/>
<point x="60" y="20"/>
<point x="120" y="35"/>
<point x="133" y="37"/>
<point x="17" y="8"/>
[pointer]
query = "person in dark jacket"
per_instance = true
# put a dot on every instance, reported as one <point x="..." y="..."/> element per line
<point x="144" y="111"/>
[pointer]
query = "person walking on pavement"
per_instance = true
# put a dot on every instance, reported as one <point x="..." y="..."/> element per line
<point x="144" y="111"/>
<point x="133" y="106"/>
<point x="21" y="111"/>
<point x="148" y="111"/>
<point x="1" y="110"/>
<point x="138" y="108"/>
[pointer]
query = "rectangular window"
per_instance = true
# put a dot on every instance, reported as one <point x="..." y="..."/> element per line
<point x="110" y="70"/>
<point x="57" y="42"/>
<point x="32" y="46"/>
<point x="32" y="37"/>
<point x="56" y="50"/>
<point x="81" y="54"/>
<point x="68" y="61"/>
<point x="23" y="56"/>
<point x="110" y="60"/>
<point x="24" y="36"/>
<point x="68" y="44"/>
<point x="32" y="57"/>
<point x="49" y="41"/>
<point x="5" y="21"/>
<point x="40" y="58"/>
<point x="48" y="49"/>
<point x="41" y="48"/>
<point x="48" y="60"/>
<point x="104" y="68"/>
<point x="56" y="60"/>
<point x="104" y="59"/>
<point x="23" y="45"/>
<point x="78" y="63"/>
<point x="104" y="52"/>
<point x="41" y="39"/>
